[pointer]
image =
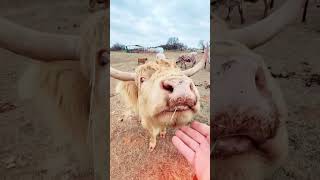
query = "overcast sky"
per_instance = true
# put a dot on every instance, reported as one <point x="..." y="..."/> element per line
<point x="151" y="22"/>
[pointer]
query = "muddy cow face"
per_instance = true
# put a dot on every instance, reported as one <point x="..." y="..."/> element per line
<point x="164" y="90"/>
<point x="249" y="115"/>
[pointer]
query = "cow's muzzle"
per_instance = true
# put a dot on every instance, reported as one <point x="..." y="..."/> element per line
<point x="180" y="94"/>
<point x="245" y="115"/>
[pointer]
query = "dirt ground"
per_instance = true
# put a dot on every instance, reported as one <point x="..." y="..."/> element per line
<point x="129" y="155"/>
<point x="26" y="148"/>
<point x="293" y="58"/>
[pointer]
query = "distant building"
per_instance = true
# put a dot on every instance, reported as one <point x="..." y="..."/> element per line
<point x="156" y="50"/>
<point x="141" y="49"/>
<point x="135" y="49"/>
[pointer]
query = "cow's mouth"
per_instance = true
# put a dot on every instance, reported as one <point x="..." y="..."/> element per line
<point x="238" y="136"/>
<point x="225" y="147"/>
<point x="174" y="111"/>
<point x="176" y="116"/>
<point x="179" y="108"/>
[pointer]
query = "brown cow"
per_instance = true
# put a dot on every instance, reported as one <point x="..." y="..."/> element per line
<point x="186" y="58"/>
<point x="161" y="94"/>
<point x="142" y="60"/>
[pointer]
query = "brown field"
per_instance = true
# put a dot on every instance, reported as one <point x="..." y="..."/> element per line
<point x="129" y="153"/>
<point x="26" y="148"/>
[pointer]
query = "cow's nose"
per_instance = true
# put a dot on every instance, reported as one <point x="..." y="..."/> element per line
<point x="240" y="83"/>
<point x="180" y="92"/>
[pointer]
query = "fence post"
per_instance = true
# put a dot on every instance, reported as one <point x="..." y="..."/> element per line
<point x="99" y="106"/>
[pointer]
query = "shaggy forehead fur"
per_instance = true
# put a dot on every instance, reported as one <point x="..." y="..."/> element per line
<point x="156" y="69"/>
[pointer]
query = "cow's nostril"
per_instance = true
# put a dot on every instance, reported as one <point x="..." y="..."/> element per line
<point x="168" y="87"/>
<point x="260" y="81"/>
<point x="191" y="86"/>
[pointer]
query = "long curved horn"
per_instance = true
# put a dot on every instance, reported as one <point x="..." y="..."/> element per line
<point x="120" y="75"/>
<point x="199" y="65"/>
<point x="38" y="45"/>
<point x="259" y="33"/>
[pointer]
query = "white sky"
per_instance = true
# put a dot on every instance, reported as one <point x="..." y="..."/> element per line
<point x="151" y="23"/>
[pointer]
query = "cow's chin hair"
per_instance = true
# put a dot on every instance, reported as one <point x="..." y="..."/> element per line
<point x="180" y="118"/>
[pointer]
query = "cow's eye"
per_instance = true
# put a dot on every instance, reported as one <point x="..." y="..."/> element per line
<point x="102" y="57"/>
<point x="142" y="79"/>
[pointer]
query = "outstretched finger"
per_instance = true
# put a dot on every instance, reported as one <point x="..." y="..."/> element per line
<point x="183" y="149"/>
<point x="194" y="134"/>
<point x="187" y="140"/>
<point x="201" y="128"/>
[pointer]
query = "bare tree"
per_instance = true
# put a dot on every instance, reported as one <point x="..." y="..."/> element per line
<point x="173" y="41"/>
<point x="118" y="47"/>
<point x="174" y="44"/>
<point x="202" y="45"/>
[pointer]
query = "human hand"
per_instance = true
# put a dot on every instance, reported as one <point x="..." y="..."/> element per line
<point x="194" y="144"/>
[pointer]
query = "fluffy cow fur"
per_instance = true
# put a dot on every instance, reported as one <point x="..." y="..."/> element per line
<point x="129" y="92"/>
<point x="60" y="96"/>
<point x="65" y="94"/>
